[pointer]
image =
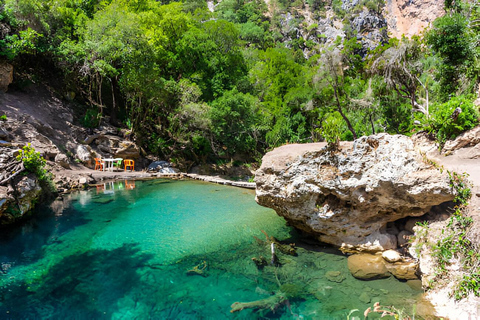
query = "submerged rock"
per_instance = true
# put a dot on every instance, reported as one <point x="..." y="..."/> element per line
<point x="347" y="197"/>
<point x="367" y="266"/>
<point x="406" y="270"/>
<point x="335" y="276"/>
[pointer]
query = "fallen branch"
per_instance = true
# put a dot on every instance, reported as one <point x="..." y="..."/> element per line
<point x="271" y="303"/>
<point x="199" y="269"/>
<point x="17" y="169"/>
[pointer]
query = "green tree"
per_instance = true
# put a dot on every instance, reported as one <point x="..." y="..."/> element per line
<point x="233" y="118"/>
<point x="333" y="84"/>
<point x="452" y="39"/>
<point x="280" y="80"/>
<point x="400" y="65"/>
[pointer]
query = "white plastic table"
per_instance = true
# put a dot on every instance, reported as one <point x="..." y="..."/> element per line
<point x="109" y="163"/>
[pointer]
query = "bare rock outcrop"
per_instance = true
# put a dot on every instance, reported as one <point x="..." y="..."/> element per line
<point x="347" y="197"/>
<point x="410" y="17"/>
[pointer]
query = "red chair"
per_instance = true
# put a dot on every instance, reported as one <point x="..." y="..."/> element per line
<point x="129" y="163"/>
<point x="98" y="164"/>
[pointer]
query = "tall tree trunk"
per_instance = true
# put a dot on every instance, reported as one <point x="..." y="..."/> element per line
<point x="339" y="109"/>
<point x="372" y="124"/>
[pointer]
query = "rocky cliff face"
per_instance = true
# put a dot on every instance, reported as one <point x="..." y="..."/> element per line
<point x="410" y="17"/>
<point x="347" y="197"/>
<point x="371" y="25"/>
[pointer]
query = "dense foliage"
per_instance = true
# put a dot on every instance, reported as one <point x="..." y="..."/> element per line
<point x="195" y="85"/>
<point x="34" y="163"/>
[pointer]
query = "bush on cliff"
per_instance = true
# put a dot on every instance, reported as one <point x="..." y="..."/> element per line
<point x="35" y="163"/>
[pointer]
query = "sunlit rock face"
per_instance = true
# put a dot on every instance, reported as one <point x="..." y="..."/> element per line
<point x="347" y="197"/>
<point x="408" y="17"/>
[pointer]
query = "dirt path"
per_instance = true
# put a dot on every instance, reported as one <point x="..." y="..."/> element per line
<point x="463" y="161"/>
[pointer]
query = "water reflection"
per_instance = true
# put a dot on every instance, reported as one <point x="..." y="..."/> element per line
<point x="110" y="187"/>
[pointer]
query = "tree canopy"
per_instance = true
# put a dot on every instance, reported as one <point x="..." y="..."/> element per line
<point x="194" y="85"/>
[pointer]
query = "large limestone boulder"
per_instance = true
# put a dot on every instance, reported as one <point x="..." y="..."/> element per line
<point x="62" y="160"/>
<point x="404" y="270"/>
<point x="367" y="266"/>
<point x="347" y="197"/>
<point x="114" y="146"/>
<point x="83" y="154"/>
<point x="17" y="201"/>
<point x="28" y="191"/>
<point x="392" y="256"/>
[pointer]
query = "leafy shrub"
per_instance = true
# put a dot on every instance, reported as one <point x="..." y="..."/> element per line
<point x="337" y="8"/>
<point x="32" y="161"/>
<point x="447" y="125"/>
<point x="92" y="118"/>
<point x="374" y="5"/>
<point x="3" y="117"/>
<point x="469" y="284"/>
<point x="35" y="163"/>
<point x="331" y="129"/>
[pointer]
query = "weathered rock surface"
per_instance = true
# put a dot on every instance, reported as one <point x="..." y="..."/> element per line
<point x="6" y="75"/>
<point x="16" y="201"/>
<point x="407" y="17"/>
<point x="18" y="192"/>
<point x="346" y="198"/>
<point x="28" y="191"/>
<point x="391" y="256"/>
<point x="367" y="266"/>
<point x="405" y="270"/>
<point x="466" y="139"/>
<point x="127" y="150"/>
<point x="83" y="154"/>
<point x="371" y="29"/>
<point x="62" y="160"/>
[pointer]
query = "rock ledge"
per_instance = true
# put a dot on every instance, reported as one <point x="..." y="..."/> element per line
<point x="347" y="197"/>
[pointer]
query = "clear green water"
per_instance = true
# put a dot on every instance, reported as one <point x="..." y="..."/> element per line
<point x="124" y="254"/>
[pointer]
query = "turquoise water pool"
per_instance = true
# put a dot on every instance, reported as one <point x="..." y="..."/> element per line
<point x="123" y="251"/>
